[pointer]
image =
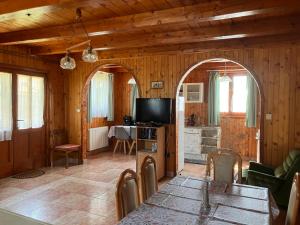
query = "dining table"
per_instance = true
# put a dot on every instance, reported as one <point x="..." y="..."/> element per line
<point x="179" y="202"/>
<point x="111" y="132"/>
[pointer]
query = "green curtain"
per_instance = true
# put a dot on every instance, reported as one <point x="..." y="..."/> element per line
<point x="214" y="99"/>
<point x="110" y="113"/>
<point x="251" y="103"/>
<point x="134" y="93"/>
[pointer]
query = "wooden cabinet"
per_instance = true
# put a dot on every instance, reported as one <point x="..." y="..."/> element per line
<point x="193" y="92"/>
<point x="151" y="141"/>
<point x="198" y="141"/>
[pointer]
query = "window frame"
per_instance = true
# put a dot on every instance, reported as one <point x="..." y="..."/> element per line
<point x="230" y="113"/>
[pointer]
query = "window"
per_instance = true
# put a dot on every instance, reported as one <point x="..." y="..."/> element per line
<point x="30" y="102"/>
<point x="101" y="102"/>
<point x="239" y="94"/>
<point x="5" y="106"/>
<point x="233" y="95"/>
<point x="224" y="96"/>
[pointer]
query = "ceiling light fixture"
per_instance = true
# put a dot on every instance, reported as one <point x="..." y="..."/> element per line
<point x="225" y="77"/>
<point x="88" y="55"/>
<point x="67" y="62"/>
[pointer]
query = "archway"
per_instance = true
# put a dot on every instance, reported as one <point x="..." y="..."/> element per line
<point x="261" y="105"/>
<point x="117" y="69"/>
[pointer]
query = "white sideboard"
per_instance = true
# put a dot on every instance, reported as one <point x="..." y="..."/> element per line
<point x="198" y="141"/>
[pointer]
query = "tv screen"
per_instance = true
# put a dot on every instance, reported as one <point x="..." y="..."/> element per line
<point x="157" y="110"/>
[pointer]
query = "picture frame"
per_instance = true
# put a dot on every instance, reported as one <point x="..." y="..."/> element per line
<point x="157" y="84"/>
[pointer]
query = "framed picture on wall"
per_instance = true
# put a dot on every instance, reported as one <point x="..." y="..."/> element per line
<point x="157" y="84"/>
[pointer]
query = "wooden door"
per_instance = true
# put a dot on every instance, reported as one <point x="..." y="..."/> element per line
<point x="29" y="129"/>
<point x="6" y="148"/>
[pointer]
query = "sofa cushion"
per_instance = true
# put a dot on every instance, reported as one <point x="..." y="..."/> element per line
<point x="279" y="172"/>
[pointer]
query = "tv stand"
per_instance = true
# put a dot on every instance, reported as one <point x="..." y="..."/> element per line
<point x="151" y="141"/>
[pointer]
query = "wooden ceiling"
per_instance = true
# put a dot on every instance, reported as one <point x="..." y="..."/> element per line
<point x="140" y="26"/>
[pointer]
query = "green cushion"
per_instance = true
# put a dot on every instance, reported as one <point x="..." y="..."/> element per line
<point x="279" y="172"/>
<point x="287" y="163"/>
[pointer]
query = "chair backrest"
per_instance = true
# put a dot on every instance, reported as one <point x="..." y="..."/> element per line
<point x="293" y="214"/>
<point x="290" y="166"/>
<point x="223" y="162"/>
<point x="58" y="137"/>
<point x="121" y="133"/>
<point x="133" y="133"/>
<point x="127" y="193"/>
<point x="148" y="177"/>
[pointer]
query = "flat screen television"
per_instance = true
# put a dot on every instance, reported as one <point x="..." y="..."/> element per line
<point x="154" y="110"/>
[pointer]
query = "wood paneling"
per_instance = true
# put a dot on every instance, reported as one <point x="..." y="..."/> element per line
<point x="275" y="68"/>
<point x="198" y="75"/>
<point x="55" y="109"/>
<point x="236" y="136"/>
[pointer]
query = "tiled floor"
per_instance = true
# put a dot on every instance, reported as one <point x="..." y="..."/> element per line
<point x="82" y="194"/>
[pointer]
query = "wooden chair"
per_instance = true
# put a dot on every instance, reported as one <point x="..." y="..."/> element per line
<point x="293" y="212"/>
<point x="59" y="143"/>
<point x="122" y="138"/>
<point x="223" y="161"/>
<point x="148" y="177"/>
<point x="127" y="193"/>
<point x="133" y="138"/>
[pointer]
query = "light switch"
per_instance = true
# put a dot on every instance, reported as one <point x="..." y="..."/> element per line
<point x="268" y="116"/>
<point x="78" y="110"/>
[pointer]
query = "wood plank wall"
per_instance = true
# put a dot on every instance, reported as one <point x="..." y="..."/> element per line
<point x="198" y="75"/>
<point x="55" y="110"/>
<point x="276" y="68"/>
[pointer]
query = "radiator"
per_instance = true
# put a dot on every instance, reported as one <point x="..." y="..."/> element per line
<point x="98" y="138"/>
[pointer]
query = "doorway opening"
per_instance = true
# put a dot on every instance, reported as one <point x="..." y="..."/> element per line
<point x="218" y="105"/>
<point x="108" y="100"/>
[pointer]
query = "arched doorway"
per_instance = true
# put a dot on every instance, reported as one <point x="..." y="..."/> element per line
<point x="202" y="122"/>
<point x="123" y="78"/>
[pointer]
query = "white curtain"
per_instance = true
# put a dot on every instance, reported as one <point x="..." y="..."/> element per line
<point x="101" y="95"/>
<point x="30" y="102"/>
<point x="6" y="122"/>
<point x="134" y="94"/>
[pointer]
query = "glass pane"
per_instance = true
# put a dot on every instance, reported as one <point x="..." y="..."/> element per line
<point x="5" y="106"/>
<point x="30" y="102"/>
<point x="224" y="96"/>
<point x="37" y="102"/>
<point x="239" y="97"/>
<point x="193" y="88"/>
<point x="24" y="102"/>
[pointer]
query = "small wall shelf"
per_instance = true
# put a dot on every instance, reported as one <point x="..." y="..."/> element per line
<point x="193" y="92"/>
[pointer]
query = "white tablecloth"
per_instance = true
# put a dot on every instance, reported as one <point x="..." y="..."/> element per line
<point x="179" y="203"/>
<point x="111" y="132"/>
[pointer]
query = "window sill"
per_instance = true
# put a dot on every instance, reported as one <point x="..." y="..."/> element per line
<point x="233" y="115"/>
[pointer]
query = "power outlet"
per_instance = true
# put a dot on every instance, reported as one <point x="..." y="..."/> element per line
<point x="268" y="116"/>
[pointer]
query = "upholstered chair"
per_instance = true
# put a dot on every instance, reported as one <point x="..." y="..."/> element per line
<point x="223" y="162"/>
<point x="59" y="144"/>
<point x="133" y="138"/>
<point x="122" y="138"/>
<point x="148" y="177"/>
<point x="278" y="180"/>
<point x="127" y="193"/>
<point x="293" y="212"/>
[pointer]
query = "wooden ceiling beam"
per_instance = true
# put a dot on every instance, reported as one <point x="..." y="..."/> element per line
<point x="201" y="12"/>
<point x="9" y="6"/>
<point x="251" y="42"/>
<point x="221" y="32"/>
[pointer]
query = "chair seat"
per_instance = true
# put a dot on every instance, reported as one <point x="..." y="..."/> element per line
<point x="68" y="147"/>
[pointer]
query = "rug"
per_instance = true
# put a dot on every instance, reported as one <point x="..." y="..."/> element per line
<point x="29" y="174"/>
